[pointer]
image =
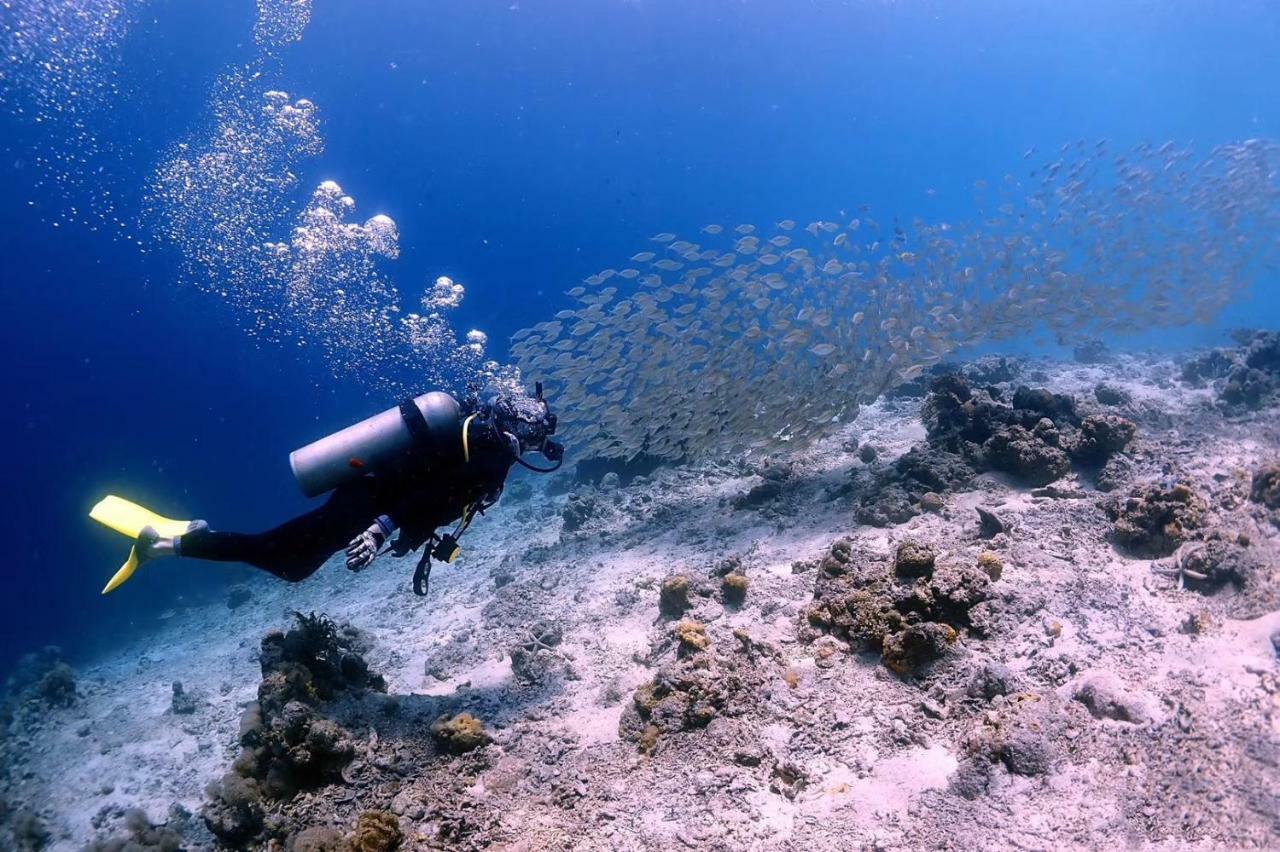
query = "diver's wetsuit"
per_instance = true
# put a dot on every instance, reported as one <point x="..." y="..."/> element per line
<point x="418" y="494"/>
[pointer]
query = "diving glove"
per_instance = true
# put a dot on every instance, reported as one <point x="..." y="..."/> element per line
<point x="365" y="547"/>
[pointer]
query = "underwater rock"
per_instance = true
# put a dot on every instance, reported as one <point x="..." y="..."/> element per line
<point x="1264" y="488"/>
<point x="1215" y="364"/>
<point x="1111" y="395"/>
<point x="992" y="370"/>
<point x="238" y="596"/>
<point x="1248" y="386"/>
<point x="1263" y="352"/>
<point x="314" y="661"/>
<point x="1033" y="456"/>
<point x="673" y="597"/>
<point x="913" y="559"/>
<point x="759" y="495"/>
<point x="1101" y="436"/>
<point x="867" y="453"/>
<point x="181" y="703"/>
<point x="1093" y="351"/>
<point x="1020" y="735"/>
<point x="909" y="620"/>
<point x="1034" y="404"/>
<point x="686" y="694"/>
<point x="916" y="645"/>
<point x="460" y="733"/>
<point x="1105" y="697"/>
<point x="990" y="524"/>
<point x="990" y="679"/>
<point x="1114" y="474"/>
<point x="579" y="508"/>
<point x="57" y="688"/>
<point x="1212" y="566"/>
<point x="233" y="812"/>
<point x="287" y="744"/>
<point x="1153" y="520"/>
<point x="143" y="836"/>
<point x="884" y="504"/>
<point x="377" y="831"/>
<point x="320" y="838"/>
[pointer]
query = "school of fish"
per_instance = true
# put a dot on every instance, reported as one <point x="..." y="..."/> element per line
<point x="747" y="337"/>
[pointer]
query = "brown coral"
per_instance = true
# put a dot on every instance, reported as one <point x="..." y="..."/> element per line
<point x="377" y="831"/>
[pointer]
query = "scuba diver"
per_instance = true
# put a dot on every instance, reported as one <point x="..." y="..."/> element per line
<point x="427" y="463"/>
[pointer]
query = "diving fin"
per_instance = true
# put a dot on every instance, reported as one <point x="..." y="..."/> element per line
<point x="129" y="518"/>
<point x="126" y="571"/>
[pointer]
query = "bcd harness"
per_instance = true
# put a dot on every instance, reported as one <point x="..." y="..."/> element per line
<point x="445" y="547"/>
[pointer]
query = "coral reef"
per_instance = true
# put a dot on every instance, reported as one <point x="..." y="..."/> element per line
<point x="288" y="744"/>
<point x="1035" y="438"/>
<point x="1153" y="520"/>
<point x="1248" y="377"/>
<point x="705" y="681"/>
<point x="909" y="611"/>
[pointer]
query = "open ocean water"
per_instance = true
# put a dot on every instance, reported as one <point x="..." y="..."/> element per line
<point x="186" y="299"/>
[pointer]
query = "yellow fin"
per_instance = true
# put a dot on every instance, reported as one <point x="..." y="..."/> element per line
<point x="126" y="571"/>
<point x="129" y="518"/>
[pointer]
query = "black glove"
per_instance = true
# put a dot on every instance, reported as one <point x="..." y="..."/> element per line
<point x="364" y="548"/>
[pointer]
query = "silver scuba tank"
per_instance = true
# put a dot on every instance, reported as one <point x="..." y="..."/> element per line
<point x="432" y="421"/>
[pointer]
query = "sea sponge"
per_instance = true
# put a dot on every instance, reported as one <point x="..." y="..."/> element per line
<point x="460" y="733"/>
<point x="692" y="637"/>
<point x="377" y="831"/>
<point x="734" y="588"/>
<point x="673" y="598"/>
<point x="990" y="563"/>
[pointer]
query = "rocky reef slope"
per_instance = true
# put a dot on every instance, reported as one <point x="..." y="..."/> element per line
<point x="1021" y="604"/>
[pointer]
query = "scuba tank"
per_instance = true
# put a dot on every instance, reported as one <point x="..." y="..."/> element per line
<point x="432" y="420"/>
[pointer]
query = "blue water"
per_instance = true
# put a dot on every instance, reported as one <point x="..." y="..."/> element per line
<point x="519" y="146"/>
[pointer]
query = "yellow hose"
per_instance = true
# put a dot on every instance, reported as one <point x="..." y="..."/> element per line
<point x="466" y="445"/>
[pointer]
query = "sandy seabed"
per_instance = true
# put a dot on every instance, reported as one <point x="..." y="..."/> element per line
<point x="1083" y="669"/>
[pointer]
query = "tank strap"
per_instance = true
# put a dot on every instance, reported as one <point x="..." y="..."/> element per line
<point x="415" y="423"/>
